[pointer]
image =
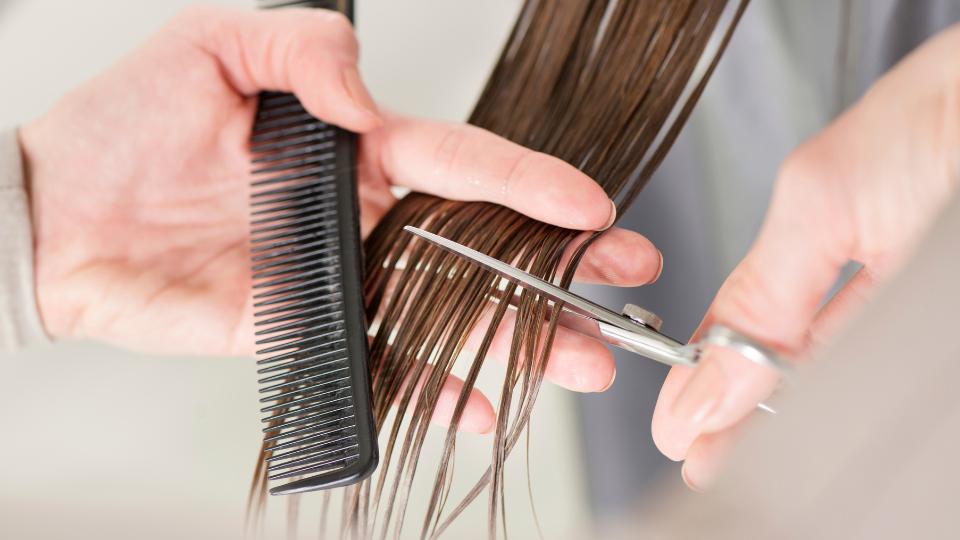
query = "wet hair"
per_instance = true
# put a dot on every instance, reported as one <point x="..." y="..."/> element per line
<point x="605" y="85"/>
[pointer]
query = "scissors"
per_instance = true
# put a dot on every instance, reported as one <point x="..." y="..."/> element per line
<point x="635" y="329"/>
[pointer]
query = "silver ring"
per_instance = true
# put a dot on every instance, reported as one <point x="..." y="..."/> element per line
<point x="719" y="335"/>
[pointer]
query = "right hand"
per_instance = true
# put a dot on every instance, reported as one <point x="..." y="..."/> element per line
<point x="864" y="189"/>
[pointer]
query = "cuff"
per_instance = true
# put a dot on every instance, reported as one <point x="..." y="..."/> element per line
<point x="20" y="324"/>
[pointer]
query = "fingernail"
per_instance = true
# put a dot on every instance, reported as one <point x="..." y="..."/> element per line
<point x="358" y="92"/>
<point x="609" y="384"/>
<point x="659" y="270"/>
<point x="686" y="480"/>
<point x="613" y="216"/>
<point x="701" y="396"/>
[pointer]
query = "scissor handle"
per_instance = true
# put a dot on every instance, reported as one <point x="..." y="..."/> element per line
<point x="719" y="335"/>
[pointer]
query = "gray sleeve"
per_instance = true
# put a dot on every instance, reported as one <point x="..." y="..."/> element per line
<point x="19" y="319"/>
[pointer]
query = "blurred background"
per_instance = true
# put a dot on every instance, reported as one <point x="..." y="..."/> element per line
<point x="103" y="443"/>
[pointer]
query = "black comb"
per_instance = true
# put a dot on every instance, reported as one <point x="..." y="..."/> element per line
<point x="308" y="303"/>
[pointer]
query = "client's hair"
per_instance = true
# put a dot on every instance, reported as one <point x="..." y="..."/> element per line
<point x="605" y="85"/>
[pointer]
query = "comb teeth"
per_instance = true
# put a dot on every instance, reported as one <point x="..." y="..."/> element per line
<point x="307" y="305"/>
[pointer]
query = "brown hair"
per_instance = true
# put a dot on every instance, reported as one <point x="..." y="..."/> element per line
<point x="605" y="85"/>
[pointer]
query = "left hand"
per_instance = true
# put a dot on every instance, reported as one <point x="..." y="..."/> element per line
<point x="865" y="189"/>
<point x="140" y="188"/>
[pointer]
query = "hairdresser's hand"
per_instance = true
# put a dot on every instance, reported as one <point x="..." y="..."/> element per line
<point x="140" y="186"/>
<point x="863" y="189"/>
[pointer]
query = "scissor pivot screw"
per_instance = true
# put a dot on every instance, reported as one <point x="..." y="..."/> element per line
<point x="642" y="316"/>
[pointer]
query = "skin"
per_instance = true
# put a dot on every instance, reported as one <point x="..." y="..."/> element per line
<point x="864" y="189"/>
<point x="139" y="186"/>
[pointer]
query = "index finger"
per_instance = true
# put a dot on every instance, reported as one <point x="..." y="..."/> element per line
<point x="466" y="163"/>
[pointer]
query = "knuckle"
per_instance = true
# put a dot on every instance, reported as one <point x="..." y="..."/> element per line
<point x="519" y="165"/>
<point x="746" y="299"/>
<point x="806" y="186"/>
<point x="449" y="148"/>
<point x="818" y="163"/>
<point x="336" y="21"/>
<point x="334" y="27"/>
<point x="320" y="34"/>
<point x="799" y="167"/>
<point x="202" y="23"/>
<point x="813" y="190"/>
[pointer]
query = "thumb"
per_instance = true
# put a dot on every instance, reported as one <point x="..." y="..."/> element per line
<point x="772" y="296"/>
<point x="309" y="52"/>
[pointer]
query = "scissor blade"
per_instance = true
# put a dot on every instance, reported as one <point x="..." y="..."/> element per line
<point x="571" y="301"/>
<point x="613" y="328"/>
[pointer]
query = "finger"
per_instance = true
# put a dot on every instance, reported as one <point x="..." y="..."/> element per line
<point x="671" y="437"/>
<point x="466" y="163"/>
<point x="374" y="204"/>
<point x="478" y="415"/>
<point x="576" y="362"/>
<point x="836" y="198"/>
<point x="678" y="444"/>
<point x="618" y="257"/>
<point x="311" y="52"/>
<point x="772" y="296"/>
<point x="706" y="457"/>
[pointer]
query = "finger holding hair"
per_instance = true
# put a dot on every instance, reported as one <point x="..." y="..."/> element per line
<point x="467" y="163"/>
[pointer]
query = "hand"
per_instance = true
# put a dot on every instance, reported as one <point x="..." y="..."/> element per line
<point x="140" y="187"/>
<point x="864" y="189"/>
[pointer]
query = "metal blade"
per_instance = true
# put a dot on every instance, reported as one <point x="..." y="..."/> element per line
<point x="614" y="328"/>
<point x="572" y="302"/>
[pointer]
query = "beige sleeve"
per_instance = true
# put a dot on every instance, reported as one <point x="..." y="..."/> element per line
<point x="19" y="320"/>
